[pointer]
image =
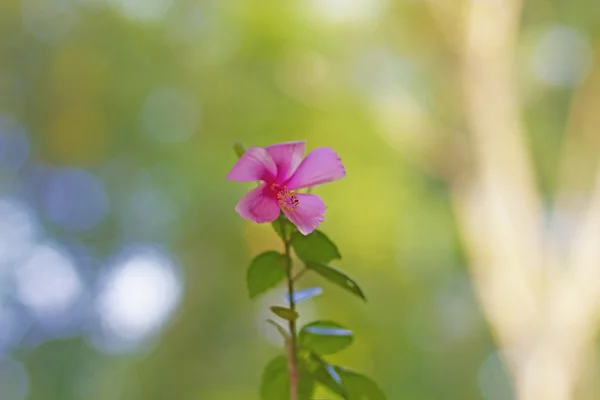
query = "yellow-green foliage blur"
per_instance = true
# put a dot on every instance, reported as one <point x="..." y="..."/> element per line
<point x="122" y="259"/>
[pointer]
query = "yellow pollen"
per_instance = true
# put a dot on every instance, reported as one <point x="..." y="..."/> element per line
<point x="287" y="199"/>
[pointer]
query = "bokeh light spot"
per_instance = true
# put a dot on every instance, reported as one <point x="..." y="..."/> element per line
<point x="48" y="281"/>
<point x="148" y="212"/>
<point x="48" y="21"/>
<point x="74" y="200"/>
<point x="143" y="10"/>
<point x="18" y="231"/>
<point x="14" y="326"/>
<point x="7" y="322"/>
<point x="561" y="57"/>
<point x="138" y="295"/>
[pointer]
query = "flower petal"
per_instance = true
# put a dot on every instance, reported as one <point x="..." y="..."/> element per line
<point x="287" y="156"/>
<point x="255" y="165"/>
<point x="320" y="166"/>
<point x="309" y="213"/>
<point x="259" y="205"/>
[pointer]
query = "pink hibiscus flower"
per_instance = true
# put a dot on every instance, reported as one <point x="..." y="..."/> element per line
<point x="282" y="170"/>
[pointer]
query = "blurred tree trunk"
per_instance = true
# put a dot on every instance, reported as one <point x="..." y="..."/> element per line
<point x="542" y="304"/>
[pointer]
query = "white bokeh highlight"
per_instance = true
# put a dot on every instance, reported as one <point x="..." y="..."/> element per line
<point x="18" y="232"/>
<point x="137" y="297"/>
<point x="47" y="281"/>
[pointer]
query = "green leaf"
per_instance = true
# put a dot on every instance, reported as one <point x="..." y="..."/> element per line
<point x="304" y="294"/>
<point x="280" y="329"/>
<point x="325" y="337"/>
<point x="314" y="247"/>
<point x="336" y="276"/>
<point x="358" y="386"/>
<point x="325" y="374"/>
<point x="266" y="270"/>
<point x="283" y="227"/>
<point x="275" y="384"/>
<point x="285" y="313"/>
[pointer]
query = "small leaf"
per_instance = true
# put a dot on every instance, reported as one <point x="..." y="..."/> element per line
<point x="325" y="337"/>
<point x="336" y="276"/>
<point x="358" y="386"/>
<point x="239" y="149"/>
<point x="314" y="247"/>
<point x="275" y="382"/>
<point x="325" y="374"/>
<point x="265" y="271"/>
<point x="280" y="329"/>
<point x="304" y="294"/>
<point x="285" y="313"/>
<point x="283" y="227"/>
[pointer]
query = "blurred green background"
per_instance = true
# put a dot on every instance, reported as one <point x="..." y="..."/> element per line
<point x="122" y="260"/>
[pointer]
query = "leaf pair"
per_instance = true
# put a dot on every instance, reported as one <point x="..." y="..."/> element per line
<point x="315" y="250"/>
<point x="317" y="339"/>
<point x="320" y="337"/>
<point x="349" y="384"/>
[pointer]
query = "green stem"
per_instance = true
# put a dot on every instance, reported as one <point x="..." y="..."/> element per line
<point x="292" y="345"/>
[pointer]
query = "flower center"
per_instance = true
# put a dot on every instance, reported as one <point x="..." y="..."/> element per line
<point x="287" y="200"/>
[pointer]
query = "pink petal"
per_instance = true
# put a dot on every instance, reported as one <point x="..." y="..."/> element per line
<point x="320" y="166"/>
<point x="287" y="156"/>
<point x="259" y="205"/>
<point x="309" y="213"/>
<point x="255" y="165"/>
